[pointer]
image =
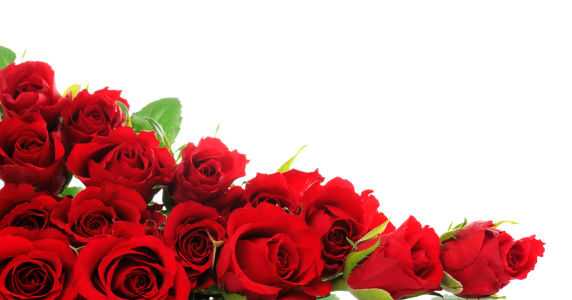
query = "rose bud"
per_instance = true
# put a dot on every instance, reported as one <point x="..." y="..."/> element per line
<point x="124" y="158"/>
<point x="484" y="259"/>
<point x="36" y="265"/>
<point x="31" y="154"/>
<point x="30" y="87"/>
<point x="140" y="267"/>
<point x="94" y="210"/>
<point x="206" y="171"/>
<point x="338" y="213"/>
<point x="91" y="115"/>
<point x="406" y="262"/>
<point x="22" y="206"/>
<point x="192" y="231"/>
<point x="270" y="254"/>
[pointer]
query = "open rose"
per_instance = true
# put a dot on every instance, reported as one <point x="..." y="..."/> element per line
<point x="484" y="259"/>
<point x="140" y="267"/>
<point x="36" y="265"/>
<point x="270" y="254"/>
<point x="406" y="262"/>
<point x="191" y="231"/>
<point x="30" y="87"/>
<point x="206" y="171"/>
<point x="21" y="206"/>
<point x="31" y="154"/>
<point x="95" y="210"/>
<point x="338" y="213"/>
<point x="124" y="158"/>
<point x="91" y="115"/>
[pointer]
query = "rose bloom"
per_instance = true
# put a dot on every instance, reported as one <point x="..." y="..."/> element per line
<point x="270" y="254"/>
<point x="30" y="87"/>
<point x="31" y="154"/>
<point x="95" y="210"/>
<point x="139" y="267"/>
<point x="91" y="115"/>
<point x="22" y="206"/>
<point x="36" y="265"/>
<point x="124" y="158"/>
<point x="338" y="213"/>
<point x="406" y="262"/>
<point x="190" y="230"/>
<point x="484" y="259"/>
<point x="206" y="171"/>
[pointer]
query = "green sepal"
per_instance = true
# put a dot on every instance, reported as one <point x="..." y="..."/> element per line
<point x="451" y="233"/>
<point x="216" y="245"/>
<point x="125" y="111"/>
<point x="24" y="54"/>
<point x="324" y="279"/>
<point x="74" y="89"/>
<point x="373" y="233"/>
<point x="450" y="284"/>
<point x="7" y="57"/>
<point x="451" y="297"/>
<point x="368" y="294"/>
<point x="232" y="296"/>
<point x="72" y="191"/>
<point x="167" y="201"/>
<point x="329" y="297"/>
<point x="352" y="243"/>
<point x="286" y="166"/>
<point x="355" y="257"/>
<point x="497" y="224"/>
<point x="217" y="128"/>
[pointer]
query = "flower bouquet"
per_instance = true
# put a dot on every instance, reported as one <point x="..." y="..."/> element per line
<point x="152" y="222"/>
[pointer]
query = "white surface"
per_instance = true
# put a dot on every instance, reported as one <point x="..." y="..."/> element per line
<point x="445" y="109"/>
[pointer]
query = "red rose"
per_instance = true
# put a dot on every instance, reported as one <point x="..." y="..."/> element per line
<point x="125" y="158"/>
<point x="406" y="262"/>
<point x="31" y="154"/>
<point x="484" y="259"/>
<point x="190" y="230"/>
<point x="338" y="213"/>
<point x="206" y="171"/>
<point x="30" y="87"/>
<point x="95" y="210"/>
<point x="91" y="115"/>
<point x="270" y="253"/>
<point x="21" y="206"/>
<point x="140" y="267"/>
<point x="37" y="265"/>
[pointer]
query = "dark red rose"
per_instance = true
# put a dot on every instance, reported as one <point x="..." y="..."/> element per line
<point x="35" y="265"/>
<point x="21" y="206"/>
<point x="484" y="259"/>
<point x="338" y="213"/>
<point x="140" y="267"/>
<point x="125" y="158"/>
<point x="300" y="181"/>
<point x="406" y="262"/>
<point x="30" y="87"/>
<point x="206" y="171"/>
<point x="228" y="202"/>
<point x="95" y="210"/>
<point x="519" y="257"/>
<point x="31" y="154"/>
<point x="191" y="230"/>
<point x="269" y="254"/>
<point x="273" y="189"/>
<point x="152" y="219"/>
<point x="91" y="115"/>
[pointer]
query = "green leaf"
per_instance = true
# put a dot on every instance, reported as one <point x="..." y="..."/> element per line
<point x="7" y="57"/>
<point x="286" y="166"/>
<point x="368" y="294"/>
<point x="74" y="89"/>
<point x="167" y="202"/>
<point x="72" y="191"/>
<point x="233" y="296"/>
<point x="159" y="132"/>
<point x="373" y="233"/>
<point x="339" y="284"/>
<point x="497" y="224"/>
<point x="355" y="257"/>
<point x="450" y="284"/>
<point x="166" y="112"/>
<point x="125" y="111"/>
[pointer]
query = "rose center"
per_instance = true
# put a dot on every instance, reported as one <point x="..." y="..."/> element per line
<point x="32" y="220"/>
<point x="30" y="279"/>
<point x="27" y="87"/>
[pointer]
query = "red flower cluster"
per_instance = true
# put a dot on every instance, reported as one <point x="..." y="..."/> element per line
<point x="284" y="235"/>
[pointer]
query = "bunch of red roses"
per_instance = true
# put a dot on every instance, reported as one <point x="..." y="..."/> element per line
<point x="285" y="235"/>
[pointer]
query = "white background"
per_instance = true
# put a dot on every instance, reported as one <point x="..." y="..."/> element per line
<point x="446" y="109"/>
